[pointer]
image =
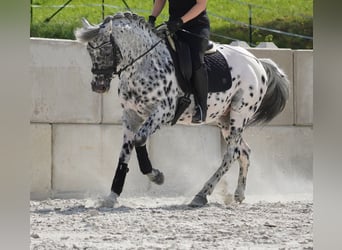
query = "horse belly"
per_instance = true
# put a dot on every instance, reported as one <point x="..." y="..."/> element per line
<point x="218" y="106"/>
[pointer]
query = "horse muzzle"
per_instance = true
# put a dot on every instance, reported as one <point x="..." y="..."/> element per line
<point x="100" y="84"/>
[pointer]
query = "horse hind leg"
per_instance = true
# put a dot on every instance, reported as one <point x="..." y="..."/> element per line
<point x="232" y="127"/>
<point x="231" y="137"/>
<point x="201" y="197"/>
<point x="244" y="152"/>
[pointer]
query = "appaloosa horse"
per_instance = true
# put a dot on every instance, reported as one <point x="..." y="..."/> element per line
<point x="127" y="46"/>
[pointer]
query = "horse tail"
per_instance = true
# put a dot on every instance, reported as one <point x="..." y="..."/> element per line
<point x="276" y="95"/>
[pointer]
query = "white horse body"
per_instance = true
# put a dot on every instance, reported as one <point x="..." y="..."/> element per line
<point x="149" y="92"/>
<point x="220" y="103"/>
<point x="141" y="39"/>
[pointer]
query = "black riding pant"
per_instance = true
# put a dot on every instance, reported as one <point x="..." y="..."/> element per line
<point x="197" y="38"/>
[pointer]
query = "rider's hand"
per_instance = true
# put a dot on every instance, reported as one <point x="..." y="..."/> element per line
<point x="174" y="25"/>
<point x="152" y="20"/>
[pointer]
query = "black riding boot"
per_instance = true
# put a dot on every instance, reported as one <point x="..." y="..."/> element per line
<point x="200" y="83"/>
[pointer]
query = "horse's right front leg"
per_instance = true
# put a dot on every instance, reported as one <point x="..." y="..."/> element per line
<point x="130" y="122"/>
<point x="122" y="168"/>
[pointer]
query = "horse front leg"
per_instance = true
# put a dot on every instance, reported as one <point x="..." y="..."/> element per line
<point x="122" y="168"/>
<point x="151" y="124"/>
<point x="145" y="166"/>
<point x="131" y="122"/>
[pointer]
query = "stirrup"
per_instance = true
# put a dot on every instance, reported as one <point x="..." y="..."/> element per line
<point x="198" y="116"/>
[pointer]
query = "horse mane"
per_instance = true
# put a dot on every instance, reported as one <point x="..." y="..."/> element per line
<point x="130" y="16"/>
<point x="140" y="20"/>
<point x="86" y="34"/>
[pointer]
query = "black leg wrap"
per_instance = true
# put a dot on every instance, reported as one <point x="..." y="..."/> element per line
<point x="119" y="178"/>
<point x="144" y="162"/>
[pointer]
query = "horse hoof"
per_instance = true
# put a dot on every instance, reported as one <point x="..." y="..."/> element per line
<point x="156" y="176"/>
<point x="110" y="201"/>
<point x="239" y="197"/>
<point x="198" y="201"/>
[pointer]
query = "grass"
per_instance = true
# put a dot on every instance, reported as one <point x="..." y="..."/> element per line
<point x="226" y="16"/>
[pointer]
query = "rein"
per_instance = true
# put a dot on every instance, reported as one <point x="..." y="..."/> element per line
<point x="109" y="71"/>
<point x="147" y="51"/>
<point x="137" y="58"/>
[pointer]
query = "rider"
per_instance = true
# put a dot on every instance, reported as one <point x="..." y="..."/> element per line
<point x="190" y="15"/>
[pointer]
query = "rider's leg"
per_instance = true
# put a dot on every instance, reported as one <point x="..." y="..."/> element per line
<point x="200" y="83"/>
<point x="198" y="43"/>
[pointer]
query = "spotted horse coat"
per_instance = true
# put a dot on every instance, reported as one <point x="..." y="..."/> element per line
<point x="126" y="45"/>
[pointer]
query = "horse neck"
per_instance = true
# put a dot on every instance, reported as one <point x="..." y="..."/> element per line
<point x="134" y="41"/>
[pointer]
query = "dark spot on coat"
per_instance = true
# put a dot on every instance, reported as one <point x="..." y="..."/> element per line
<point x="263" y="79"/>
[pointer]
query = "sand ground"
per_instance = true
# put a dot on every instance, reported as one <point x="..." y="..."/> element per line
<point x="168" y="223"/>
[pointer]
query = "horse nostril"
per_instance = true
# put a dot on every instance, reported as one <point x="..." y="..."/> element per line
<point x="100" y="84"/>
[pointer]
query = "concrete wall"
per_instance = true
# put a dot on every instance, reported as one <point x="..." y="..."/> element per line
<point x="76" y="134"/>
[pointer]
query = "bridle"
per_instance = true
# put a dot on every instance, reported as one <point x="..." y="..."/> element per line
<point x="108" y="72"/>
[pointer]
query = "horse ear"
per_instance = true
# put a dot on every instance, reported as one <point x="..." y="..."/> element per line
<point x="85" y="23"/>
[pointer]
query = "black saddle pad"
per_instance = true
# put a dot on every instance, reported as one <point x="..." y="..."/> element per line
<point x="219" y="75"/>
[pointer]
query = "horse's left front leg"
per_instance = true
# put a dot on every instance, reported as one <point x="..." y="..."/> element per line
<point x="146" y="167"/>
<point x="151" y="124"/>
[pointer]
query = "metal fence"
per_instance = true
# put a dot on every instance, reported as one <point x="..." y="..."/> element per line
<point x="250" y="26"/>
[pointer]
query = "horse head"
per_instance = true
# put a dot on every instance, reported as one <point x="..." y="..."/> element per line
<point x="104" y="53"/>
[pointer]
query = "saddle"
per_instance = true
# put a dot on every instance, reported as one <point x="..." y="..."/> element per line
<point x="218" y="70"/>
